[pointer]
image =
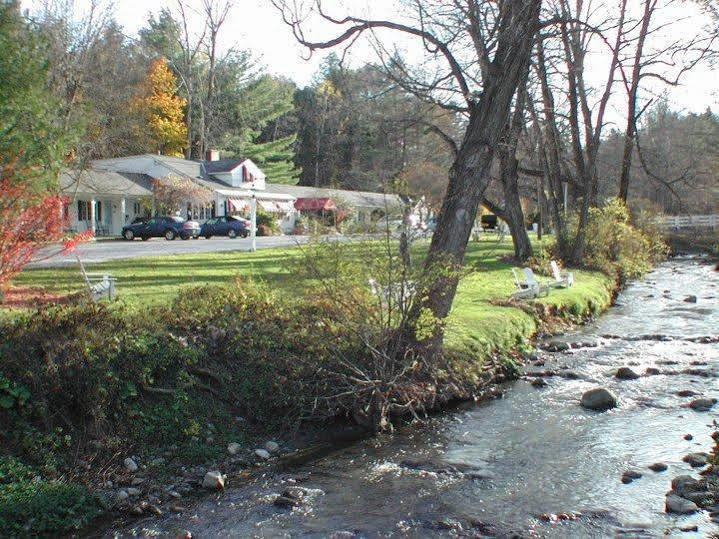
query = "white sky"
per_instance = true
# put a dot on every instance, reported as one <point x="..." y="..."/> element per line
<point x="256" y="25"/>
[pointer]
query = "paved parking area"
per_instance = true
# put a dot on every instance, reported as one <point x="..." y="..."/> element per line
<point x="101" y="251"/>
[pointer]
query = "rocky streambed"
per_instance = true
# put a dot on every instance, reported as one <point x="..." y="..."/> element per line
<point x="608" y="433"/>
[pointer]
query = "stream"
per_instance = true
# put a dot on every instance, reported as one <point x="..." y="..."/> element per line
<point x="533" y="463"/>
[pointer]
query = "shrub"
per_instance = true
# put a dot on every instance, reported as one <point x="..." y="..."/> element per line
<point x="616" y="246"/>
<point x="30" y="506"/>
<point x="266" y="223"/>
<point x="27" y="221"/>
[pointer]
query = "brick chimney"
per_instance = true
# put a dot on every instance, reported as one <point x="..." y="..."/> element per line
<point x="212" y="155"/>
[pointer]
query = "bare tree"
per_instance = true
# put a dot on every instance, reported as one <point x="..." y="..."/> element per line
<point x="660" y="59"/>
<point x="480" y="50"/>
<point x="215" y="12"/>
<point x="560" y="69"/>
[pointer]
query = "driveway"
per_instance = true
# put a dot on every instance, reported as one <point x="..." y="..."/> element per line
<point x="102" y="251"/>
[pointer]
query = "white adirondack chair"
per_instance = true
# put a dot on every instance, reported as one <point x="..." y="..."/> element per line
<point x="542" y="289"/>
<point x="524" y="289"/>
<point x="528" y="287"/>
<point x="98" y="285"/>
<point x="561" y="279"/>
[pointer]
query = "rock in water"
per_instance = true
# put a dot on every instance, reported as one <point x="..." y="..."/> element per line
<point x="555" y="346"/>
<point x="214" y="480"/>
<point x="233" y="448"/>
<point x="130" y="465"/>
<point x="681" y="506"/>
<point x="598" y="399"/>
<point x="263" y="454"/>
<point x="629" y="476"/>
<point x="658" y="467"/>
<point x="272" y="447"/>
<point x="625" y="373"/>
<point x="690" y="299"/>
<point x="683" y="484"/>
<point x="702" y="405"/>
<point x="696" y="460"/>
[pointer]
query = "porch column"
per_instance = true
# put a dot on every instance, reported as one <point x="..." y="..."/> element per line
<point x="123" y="215"/>
<point x="93" y="223"/>
<point x="253" y="223"/>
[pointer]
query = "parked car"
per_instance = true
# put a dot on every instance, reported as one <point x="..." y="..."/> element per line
<point x="225" y="225"/>
<point x="168" y="227"/>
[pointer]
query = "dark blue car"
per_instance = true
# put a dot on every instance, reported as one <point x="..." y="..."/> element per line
<point x="168" y="227"/>
<point x="225" y="225"/>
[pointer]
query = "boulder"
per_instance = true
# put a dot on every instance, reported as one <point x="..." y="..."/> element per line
<point x="702" y="405"/>
<point x="679" y="505"/>
<point x="688" y="437"/>
<point x="234" y="448"/>
<point x="272" y="447"/>
<point x="284" y="501"/>
<point x="629" y="476"/>
<point x="658" y="467"/>
<point x="687" y="393"/>
<point x="263" y="453"/>
<point x="133" y="491"/>
<point x="130" y="465"/>
<point x="555" y="346"/>
<point x="625" y="373"/>
<point x="696" y="460"/>
<point x="214" y="480"/>
<point x="122" y="495"/>
<point x="683" y="484"/>
<point x="598" y="399"/>
<point x="652" y="371"/>
<point x="702" y="498"/>
<point x="690" y="299"/>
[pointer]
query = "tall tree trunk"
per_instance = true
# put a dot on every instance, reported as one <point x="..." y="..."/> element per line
<point x="514" y="216"/>
<point x="469" y="174"/>
<point x="632" y="91"/>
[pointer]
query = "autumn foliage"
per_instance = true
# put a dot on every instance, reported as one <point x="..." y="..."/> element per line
<point x="172" y="192"/>
<point x="28" y="221"/>
<point x="162" y="110"/>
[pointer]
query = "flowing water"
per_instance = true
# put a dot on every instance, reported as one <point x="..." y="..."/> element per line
<point x="513" y="464"/>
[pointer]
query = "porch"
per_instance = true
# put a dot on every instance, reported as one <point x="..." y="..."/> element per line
<point x="105" y="215"/>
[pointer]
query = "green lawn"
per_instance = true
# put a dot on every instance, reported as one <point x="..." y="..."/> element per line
<point x="474" y="322"/>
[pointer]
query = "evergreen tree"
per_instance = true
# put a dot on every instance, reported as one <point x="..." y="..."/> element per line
<point x="258" y="106"/>
<point x="31" y="128"/>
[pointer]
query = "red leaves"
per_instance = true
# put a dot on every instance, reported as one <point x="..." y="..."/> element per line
<point x="28" y="221"/>
<point x="69" y="245"/>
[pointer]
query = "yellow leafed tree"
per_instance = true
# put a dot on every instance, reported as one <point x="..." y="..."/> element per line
<point x="162" y="111"/>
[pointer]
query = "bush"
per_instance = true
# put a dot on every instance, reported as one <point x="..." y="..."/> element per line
<point x="616" y="246"/>
<point x="266" y="223"/>
<point x="30" y="506"/>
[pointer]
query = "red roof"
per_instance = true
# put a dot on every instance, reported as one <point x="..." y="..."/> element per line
<point x="315" y="204"/>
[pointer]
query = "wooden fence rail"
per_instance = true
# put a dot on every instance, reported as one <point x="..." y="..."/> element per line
<point x="687" y="221"/>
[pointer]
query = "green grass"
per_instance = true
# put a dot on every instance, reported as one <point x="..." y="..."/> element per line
<point x="474" y="322"/>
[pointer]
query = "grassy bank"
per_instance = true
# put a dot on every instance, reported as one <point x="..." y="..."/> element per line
<point x="194" y="356"/>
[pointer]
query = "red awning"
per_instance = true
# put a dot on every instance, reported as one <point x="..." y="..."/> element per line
<point x="315" y="204"/>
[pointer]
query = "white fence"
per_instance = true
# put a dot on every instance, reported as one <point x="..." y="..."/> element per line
<point x="688" y="221"/>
